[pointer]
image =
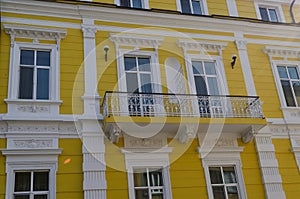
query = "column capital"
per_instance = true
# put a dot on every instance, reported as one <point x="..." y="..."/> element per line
<point x="241" y="44"/>
<point x="89" y="31"/>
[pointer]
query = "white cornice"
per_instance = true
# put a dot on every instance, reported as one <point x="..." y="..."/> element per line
<point x="147" y="18"/>
<point x="34" y="32"/>
<point x="201" y="45"/>
<point x="278" y="51"/>
<point x="136" y="40"/>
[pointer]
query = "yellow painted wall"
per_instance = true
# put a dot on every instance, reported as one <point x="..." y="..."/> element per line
<point x="187" y="175"/>
<point x="166" y="4"/>
<point x="218" y="7"/>
<point x="2" y="170"/>
<point x="69" y="178"/>
<point x="246" y="9"/>
<point x="71" y="72"/>
<point x="287" y="168"/>
<point x="4" y="68"/>
<point x="264" y="81"/>
<point x="251" y="171"/>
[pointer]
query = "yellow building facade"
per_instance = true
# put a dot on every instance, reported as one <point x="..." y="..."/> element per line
<point x="147" y="99"/>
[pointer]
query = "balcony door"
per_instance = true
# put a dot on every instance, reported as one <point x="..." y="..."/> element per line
<point x="139" y="85"/>
<point x="207" y="88"/>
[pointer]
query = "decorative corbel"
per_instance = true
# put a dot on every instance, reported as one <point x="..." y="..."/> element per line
<point x="114" y="134"/>
<point x="248" y="135"/>
<point x="188" y="133"/>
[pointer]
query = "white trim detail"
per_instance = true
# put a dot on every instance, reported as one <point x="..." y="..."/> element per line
<point x="148" y="158"/>
<point x="202" y="46"/>
<point x="32" y="107"/>
<point x="285" y="52"/>
<point x="137" y="41"/>
<point x="232" y="8"/>
<point x="295" y="141"/>
<point x="269" y="167"/>
<point x="270" y="4"/>
<point x="241" y="45"/>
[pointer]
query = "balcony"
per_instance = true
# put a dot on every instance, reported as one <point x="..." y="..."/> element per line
<point x="180" y="105"/>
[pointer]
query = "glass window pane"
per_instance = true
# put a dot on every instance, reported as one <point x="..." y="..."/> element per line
<point x="185" y="6"/>
<point x="273" y="15"/>
<point x="213" y="86"/>
<point x="146" y="83"/>
<point x="26" y="83"/>
<point x="219" y="192"/>
<point x="137" y="3"/>
<point x="215" y="175"/>
<point x="282" y="72"/>
<point x="140" y="178"/>
<point x="156" y="178"/>
<point x="132" y="82"/>
<point x="27" y="57"/>
<point x="43" y="58"/>
<point x="264" y="14"/>
<point x="158" y="194"/>
<point x="125" y="3"/>
<point x="40" y="197"/>
<point x="229" y="175"/>
<point x="42" y="84"/>
<point x="201" y="88"/>
<point x="41" y="181"/>
<point x="293" y="72"/>
<point x="196" y="7"/>
<point x="197" y="67"/>
<point x="130" y="63"/>
<point x="288" y="93"/>
<point x="232" y="192"/>
<point x="21" y="197"/>
<point x="296" y="86"/>
<point x="210" y="68"/>
<point x="144" y="64"/>
<point x="22" y="181"/>
<point x="141" y="194"/>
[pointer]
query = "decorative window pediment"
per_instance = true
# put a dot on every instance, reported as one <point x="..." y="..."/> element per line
<point x="202" y="46"/>
<point x="34" y="32"/>
<point x="136" y="40"/>
<point x="285" y="52"/>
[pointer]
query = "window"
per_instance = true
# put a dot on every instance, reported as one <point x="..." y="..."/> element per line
<point x="31" y="185"/>
<point x="148" y="183"/>
<point x="268" y="14"/>
<point x="133" y="3"/>
<point x="290" y="83"/>
<point x="192" y="7"/>
<point x="139" y="85"/>
<point x="34" y="74"/>
<point x="224" y="182"/>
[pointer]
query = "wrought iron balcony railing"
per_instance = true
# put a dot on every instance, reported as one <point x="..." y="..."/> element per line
<point x="181" y="105"/>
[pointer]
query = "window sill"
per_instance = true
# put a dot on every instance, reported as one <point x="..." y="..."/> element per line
<point x="32" y="109"/>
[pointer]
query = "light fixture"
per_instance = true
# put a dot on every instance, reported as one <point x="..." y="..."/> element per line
<point x="233" y="61"/>
<point x="106" y="49"/>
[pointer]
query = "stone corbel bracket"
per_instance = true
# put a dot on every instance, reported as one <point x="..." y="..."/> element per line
<point x="188" y="132"/>
<point x="114" y="134"/>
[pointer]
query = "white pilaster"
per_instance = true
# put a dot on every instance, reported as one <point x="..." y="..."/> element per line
<point x="241" y="45"/>
<point x="269" y="167"/>
<point x="232" y="9"/>
<point x="93" y="148"/>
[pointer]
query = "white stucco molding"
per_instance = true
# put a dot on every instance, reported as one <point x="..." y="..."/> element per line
<point x="286" y="52"/>
<point x="136" y="40"/>
<point x="34" y="32"/>
<point x="202" y="46"/>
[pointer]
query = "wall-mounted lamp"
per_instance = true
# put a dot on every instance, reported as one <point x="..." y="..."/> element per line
<point x="106" y="49"/>
<point x="233" y="61"/>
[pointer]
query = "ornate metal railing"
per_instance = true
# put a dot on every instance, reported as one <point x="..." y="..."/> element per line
<point x="181" y="105"/>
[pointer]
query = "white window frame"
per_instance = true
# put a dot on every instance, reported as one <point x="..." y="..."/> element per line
<point x="203" y="4"/>
<point x="143" y="158"/>
<point x="145" y="3"/>
<point x="270" y="5"/>
<point x="14" y="167"/>
<point x="275" y="64"/>
<point x="32" y="108"/>
<point x="224" y="163"/>
<point x="53" y="71"/>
